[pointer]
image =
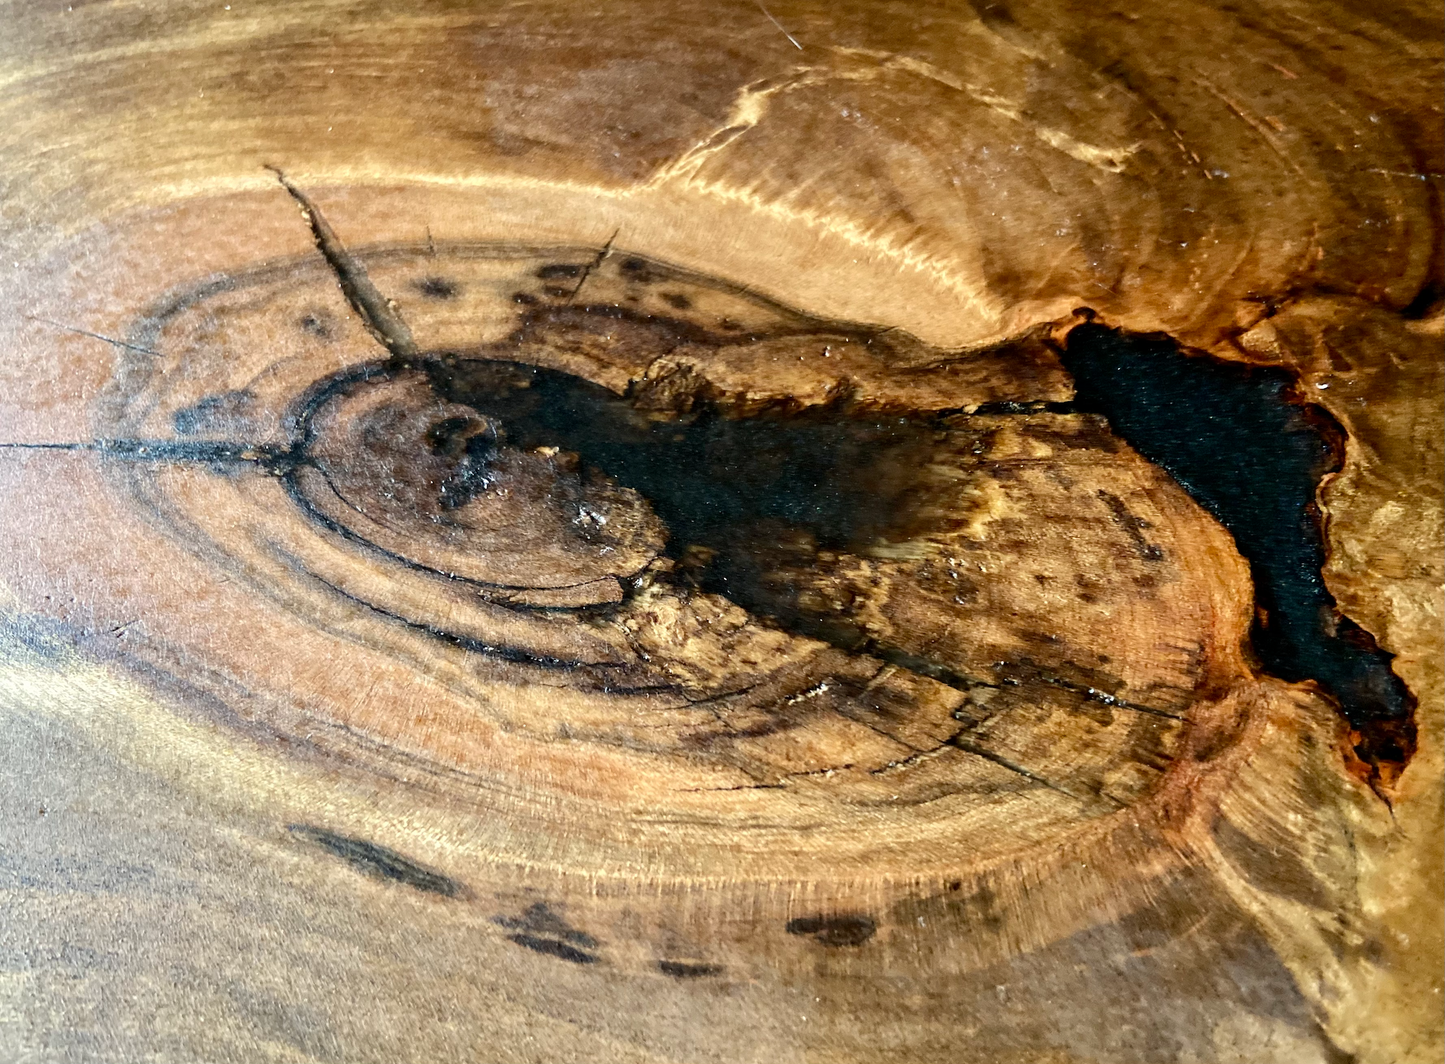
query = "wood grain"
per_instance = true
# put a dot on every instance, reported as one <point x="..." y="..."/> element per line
<point x="539" y="533"/>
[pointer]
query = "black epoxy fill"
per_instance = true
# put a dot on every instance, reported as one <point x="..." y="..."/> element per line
<point x="1240" y="443"/>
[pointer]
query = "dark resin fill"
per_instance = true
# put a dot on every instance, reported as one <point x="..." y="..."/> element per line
<point x="1250" y="452"/>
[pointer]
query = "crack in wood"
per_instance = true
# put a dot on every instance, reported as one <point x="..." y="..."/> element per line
<point x="378" y="313"/>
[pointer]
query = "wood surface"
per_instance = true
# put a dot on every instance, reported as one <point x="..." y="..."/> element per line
<point x="540" y="532"/>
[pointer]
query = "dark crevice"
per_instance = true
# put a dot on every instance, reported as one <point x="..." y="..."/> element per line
<point x="1427" y="302"/>
<point x="585" y="271"/>
<point x="376" y="311"/>
<point x="1244" y="443"/>
<point x="970" y="747"/>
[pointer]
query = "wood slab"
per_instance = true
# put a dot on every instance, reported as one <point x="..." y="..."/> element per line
<point x="534" y="533"/>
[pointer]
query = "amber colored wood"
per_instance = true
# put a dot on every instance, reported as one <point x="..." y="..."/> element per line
<point x="374" y="684"/>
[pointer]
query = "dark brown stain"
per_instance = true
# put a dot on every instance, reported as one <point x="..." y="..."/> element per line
<point x="1134" y="526"/>
<point x="549" y="947"/>
<point x="439" y="288"/>
<point x="543" y="931"/>
<point x="1276" y="869"/>
<point x="640" y="270"/>
<point x="689" y="969"/>
<point x="379" y="862"/>
<point x="557" y="270"/>
<point x="212" y="414"/>
<point x="839" y="930"/>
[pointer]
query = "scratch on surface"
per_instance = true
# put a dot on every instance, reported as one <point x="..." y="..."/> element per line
<point x="1314" y="249"/>
<point x="872" y="240"/>
<point x="752" y="101"/>
<point x="94" y="336"/>
<point x="1191" y="154"/>
<point x="1110" y="159"/>
<point x="747" y="110"/>
<point x="1415" y="175"/>
<point x="778" y="24"/>
<point x="1266" y="133"/>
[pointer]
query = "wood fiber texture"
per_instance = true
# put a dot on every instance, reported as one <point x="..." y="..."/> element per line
<point x="539" y="532"/>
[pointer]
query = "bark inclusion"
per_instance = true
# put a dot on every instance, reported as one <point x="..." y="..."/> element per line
<point x="809" y="546"/>
<point x="749" y="502"/>
<point x="861" y="528"/>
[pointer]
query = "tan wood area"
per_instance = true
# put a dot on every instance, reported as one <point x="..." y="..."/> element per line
<point x="385" y="677"/>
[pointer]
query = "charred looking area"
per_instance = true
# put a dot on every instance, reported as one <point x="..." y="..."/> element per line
<point x="1252" y="452"/>
<point x="738" y="495"/>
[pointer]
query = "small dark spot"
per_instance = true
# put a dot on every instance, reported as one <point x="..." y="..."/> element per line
<point x="678" y="300"/>
<point x="639" y="270"/>
<point x="552" y="948"/>
<point x="524" y="299"/>
<point x="539" y="919"/>
<point x="559" y="269"/>
<point x="379" y="862"/>
<point x="1132" y="525"/>
<point x="437" y="287"/>
<point x="842" y="930"/>
<point x="556" y="291"/>
<point x="318" y="324"/>
<point x="955" y="884"/>
<point x="688" y="969"/>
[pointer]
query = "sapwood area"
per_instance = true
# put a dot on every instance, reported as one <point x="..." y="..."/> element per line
<point x="664" y="531"/>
